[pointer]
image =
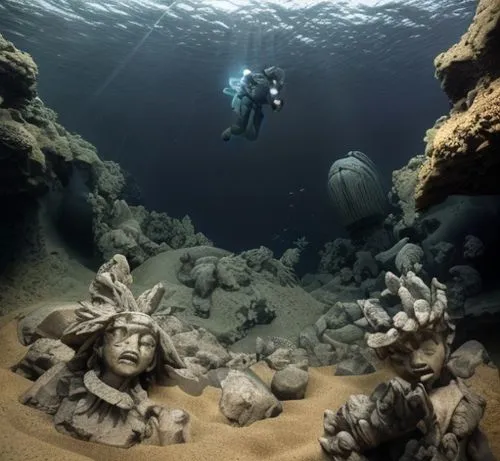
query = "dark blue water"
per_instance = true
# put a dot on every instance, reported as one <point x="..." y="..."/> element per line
<point x="359" y="77"/>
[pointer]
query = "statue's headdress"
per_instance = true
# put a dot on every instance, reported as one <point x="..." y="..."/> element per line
<point x="422" y="309"/>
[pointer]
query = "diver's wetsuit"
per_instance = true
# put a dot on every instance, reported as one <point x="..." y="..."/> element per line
<point x="254" y="93"/>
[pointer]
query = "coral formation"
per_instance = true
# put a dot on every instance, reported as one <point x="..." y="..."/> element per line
<point x="402" y="193"/>
<point x="36" y="151"/>
<point x="409" y="258"/>
<point x="473" y="247"/>
<point x="336" y="255"/>
<point x="350" y="269"/>
<point x="136" y="232"/>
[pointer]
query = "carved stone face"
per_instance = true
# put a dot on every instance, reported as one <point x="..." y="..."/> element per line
<point x="419" y="358"/>
<point x="129" y="346"/>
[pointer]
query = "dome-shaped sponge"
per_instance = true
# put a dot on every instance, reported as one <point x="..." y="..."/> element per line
<point x="356" y="191"/>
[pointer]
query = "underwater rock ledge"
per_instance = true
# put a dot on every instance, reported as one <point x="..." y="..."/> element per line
<point x="463" y="156"/>
<point x="476" y="54"/>
<point x="18" y="74"/>
<point x="59" y="198"/>
<point x="462" y="149"/>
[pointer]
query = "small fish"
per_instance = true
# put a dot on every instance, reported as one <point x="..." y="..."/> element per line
<point x="1" y="100"/>
<point x="290" y="193"/>
<point x="291" y="205"/>
<point x="302" y="189"/>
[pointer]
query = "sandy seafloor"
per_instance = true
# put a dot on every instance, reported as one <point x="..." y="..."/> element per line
<point x="27" y="434"/>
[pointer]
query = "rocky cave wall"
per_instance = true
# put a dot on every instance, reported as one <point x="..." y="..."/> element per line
<point x="63" y="206"/>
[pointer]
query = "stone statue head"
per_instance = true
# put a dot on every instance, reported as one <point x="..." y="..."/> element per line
<point x="101" y="393"/>
<point x="129" y="345"/>
<point x="417" y="339"/>
<point x="115" y="335"/>
<point x="419" y="357"/>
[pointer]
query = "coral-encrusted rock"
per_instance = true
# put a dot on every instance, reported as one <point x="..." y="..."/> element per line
<point x="477" y="53"/>
<point x="463" y="158"/>
<point x="473" y="247"/>
<point x="36" y="153"/>
<point x="402" y="193"/>
<point x="409" y="258"/>
<point x="19" y="149"/>
<point x="18" y="74"/>
<point x="463" y="150"/>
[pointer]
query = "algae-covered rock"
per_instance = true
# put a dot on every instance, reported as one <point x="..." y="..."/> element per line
<point x="22" y="163"/>
<point x="18" y="74"/>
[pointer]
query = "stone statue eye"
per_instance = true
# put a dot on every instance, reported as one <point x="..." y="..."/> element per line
<point x="429" y="350"/>
<point x="428" y="347"/>
<point x="119" y="334"/>
<point x="148" y="341"/>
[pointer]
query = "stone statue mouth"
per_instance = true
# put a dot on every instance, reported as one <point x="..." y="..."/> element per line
<point x="129" y="357"/>
<point x="423" y="373"/>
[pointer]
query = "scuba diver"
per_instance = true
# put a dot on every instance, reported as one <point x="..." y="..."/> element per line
<point x="249" y="94"/>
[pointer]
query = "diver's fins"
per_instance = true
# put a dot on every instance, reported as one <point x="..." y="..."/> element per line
<point x="226" y="134"/>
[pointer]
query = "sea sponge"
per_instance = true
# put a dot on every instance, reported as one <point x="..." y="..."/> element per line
<point x="356" y="190"/>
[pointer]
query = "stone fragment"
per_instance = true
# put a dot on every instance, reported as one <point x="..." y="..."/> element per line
<point x="246" y="399"/>
<point x="290" y="383"/>
<point x="354" y="366"/>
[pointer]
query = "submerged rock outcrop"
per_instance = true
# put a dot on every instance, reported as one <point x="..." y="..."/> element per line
<point x="138" y="233"/>
<point x="35" y="150"/>
<point x="475" y="56"/>
<point x="462" y="154"/>
<point x="60" y="198"/>
<point x="402" y="194"/>
<point x="18" y="74"/>
<point x="236" y="297"/>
